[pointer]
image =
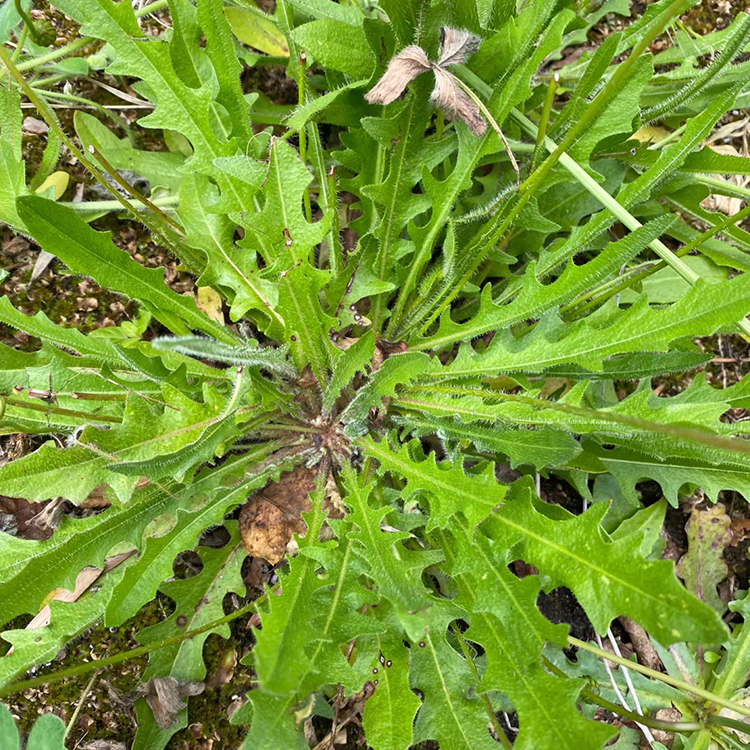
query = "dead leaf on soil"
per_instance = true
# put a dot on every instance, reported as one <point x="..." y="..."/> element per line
<point x="84" y="580"/>
<point x="740" y="530"/>
<point x="166" y="697"/>
<point x="271" y="516"/>
<point x="702" y="567"/>
<point x="724" y="203"/>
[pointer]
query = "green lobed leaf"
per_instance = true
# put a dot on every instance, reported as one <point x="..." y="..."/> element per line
<point x="388" y="716"/>
<point x="591" y="78"/>
<point x="448" y="715"/>
<point x="504" y="52"/>
<point x="280" y="231"/>
<point x="619" y="112"/>
<point x="336" y="44"/>
<point x="101" y="349"/>
<point x="447" y="488"/>
<point x="67" y="620"/>
<point x="307" y="325"/>
<point x="394" y="194"/>
<point x="609" y="578"/>
<point x="535" y="298"/>
<point x="396" y="370"/>
<point x="732" y="46"/>
<point x="51" y="471"/>
<point x="225" y="267"/>
<point x="443" y="195"/>
<point x="184" y="434"/>
<point x="352" y="361"/>
<point x="317" y="109"/>
<point x="221" y="52"/>
<point x="188" y="110"/>
<point x="635" y="366"/>
<point x="155" y="563"/>
<point x="630" y="466"/>
<point x="675" y="426"/>
<point x="304" y="631"/>
<point x="30" y="569"/>
<point x="395" y="569"/>
<point x="505" y="621"/>
<point x="540" y="447"/>
<point x="326" y="9"/>
<point x="705" y="309"/>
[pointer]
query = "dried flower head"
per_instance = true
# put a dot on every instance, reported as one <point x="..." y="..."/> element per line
<point x="456" y="45"/>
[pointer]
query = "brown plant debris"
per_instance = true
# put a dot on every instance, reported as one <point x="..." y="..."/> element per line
<point x="166" y="697"/>
<point x="271" y="516"/>
<point x="456" y="45"/>
<point x="703" y="567"/>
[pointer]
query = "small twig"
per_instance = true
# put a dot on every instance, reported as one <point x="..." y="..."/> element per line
<point x="641" y="644"/>
<point x="83" y="697"/>
<point x="133" y="653"/>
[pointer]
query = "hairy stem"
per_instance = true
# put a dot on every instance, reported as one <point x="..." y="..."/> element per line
<point x="133" y="653"/>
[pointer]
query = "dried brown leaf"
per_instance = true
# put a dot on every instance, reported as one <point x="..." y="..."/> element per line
<point x="402" y="69"/>
<point x="270" y="517"/>
<point x="166" y="697"/>
<point x="84" y="580"/>
<point x="456" y="45"/>
<point x="453" y="100"/>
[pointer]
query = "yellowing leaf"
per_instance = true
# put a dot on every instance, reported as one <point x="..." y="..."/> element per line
<point x="57" y="180"/>
<point x="651" y="134"/>
<point x="209" y="300"/>
<point x="258" y="32"/>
